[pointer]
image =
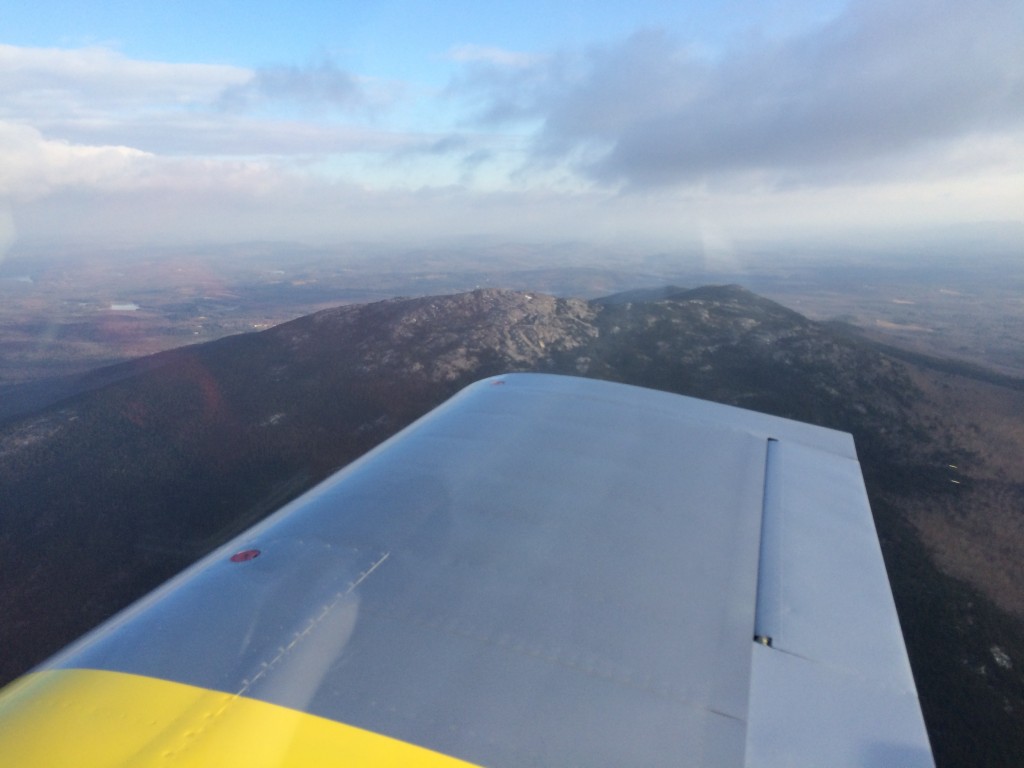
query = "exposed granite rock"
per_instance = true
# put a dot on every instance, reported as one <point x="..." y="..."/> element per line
<point x="446" y="337"/>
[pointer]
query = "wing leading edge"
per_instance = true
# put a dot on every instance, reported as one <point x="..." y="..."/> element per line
<point x="544" y="570"/>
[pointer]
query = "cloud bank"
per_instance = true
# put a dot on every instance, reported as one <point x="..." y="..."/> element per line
<point x="879" y="84"/>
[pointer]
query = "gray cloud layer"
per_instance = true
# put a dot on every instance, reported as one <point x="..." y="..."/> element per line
<point x="896" y="113"/>
<point x="880" y="81"/>
<point x="95" y="97"/>
<point x="319" y="86"/>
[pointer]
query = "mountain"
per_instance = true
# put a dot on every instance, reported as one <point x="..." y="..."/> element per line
<point x="153" y="463"/>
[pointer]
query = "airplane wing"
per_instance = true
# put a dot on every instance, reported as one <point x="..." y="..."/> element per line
<point x="542" y="571"/>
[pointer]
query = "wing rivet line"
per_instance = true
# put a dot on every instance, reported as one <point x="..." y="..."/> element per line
<point x="282" y="651"/>
<point x="245" y="555"/>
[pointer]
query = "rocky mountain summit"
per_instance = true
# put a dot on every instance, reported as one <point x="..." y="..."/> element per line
<point x="113" y="490"/>
<point x="721" y="342"/>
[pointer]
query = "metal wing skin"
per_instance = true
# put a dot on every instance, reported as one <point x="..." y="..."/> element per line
<point x="542" y="571"/>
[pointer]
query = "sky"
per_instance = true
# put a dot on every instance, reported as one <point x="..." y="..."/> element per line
<point x="649" y="123"/>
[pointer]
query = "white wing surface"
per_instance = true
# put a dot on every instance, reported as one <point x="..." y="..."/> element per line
<point x="542" y="571"/>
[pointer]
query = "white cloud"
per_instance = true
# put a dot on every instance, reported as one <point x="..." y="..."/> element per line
<point x="216" y="135"/>
<point x="31" y="166"/>
<point x="40" y="82"/>
<point x="96" y="96"/>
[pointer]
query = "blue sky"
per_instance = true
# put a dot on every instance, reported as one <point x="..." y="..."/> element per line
<point x="648" y="122"/>
<point x="396" y="37"/>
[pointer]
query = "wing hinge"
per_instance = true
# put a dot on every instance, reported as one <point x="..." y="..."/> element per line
<point x="769" y="564"/>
